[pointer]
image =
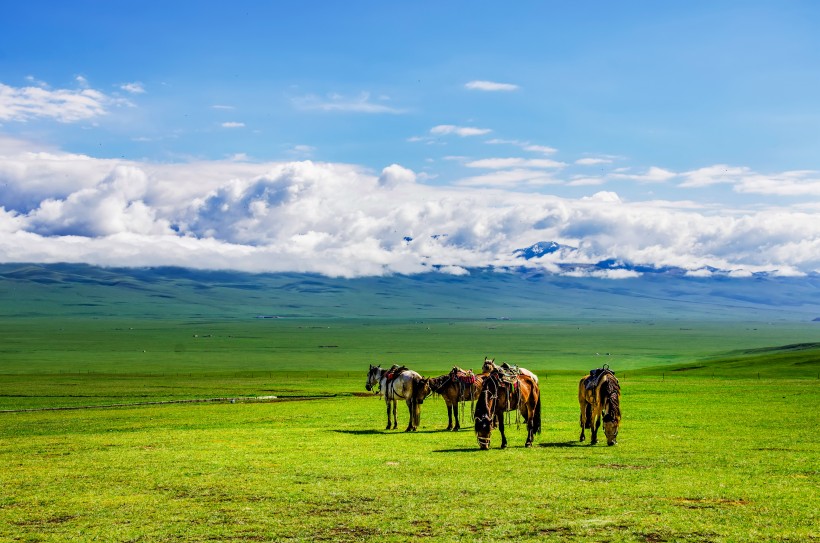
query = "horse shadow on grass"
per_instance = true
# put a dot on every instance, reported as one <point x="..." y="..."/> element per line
<point x="373" y="432"/>
<point x="370" y="432"/>
<point x="559" y="444"/>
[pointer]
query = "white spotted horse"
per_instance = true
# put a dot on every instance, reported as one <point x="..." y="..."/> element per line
<point x="399" y="383"/>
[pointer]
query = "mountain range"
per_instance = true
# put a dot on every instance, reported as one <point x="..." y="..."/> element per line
<point x="42" y="290"/>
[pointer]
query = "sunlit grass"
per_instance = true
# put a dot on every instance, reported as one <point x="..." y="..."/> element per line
<point x="698" y="460"/>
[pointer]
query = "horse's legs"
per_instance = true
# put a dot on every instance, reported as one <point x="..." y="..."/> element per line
<point x="449" y="417"/>
<point x="595" y="424"/>
<point x="583" y="421"/>
<point x="529" y="416"/>
<point x="395" y="419"/>
<point x="457" y="427"/>
<point x="500" y="419"/>
<point x="387" y="403"/>
<point x="411" y="422"/>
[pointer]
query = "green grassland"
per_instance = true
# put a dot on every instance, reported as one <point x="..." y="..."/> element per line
<point x="717" y="443"/>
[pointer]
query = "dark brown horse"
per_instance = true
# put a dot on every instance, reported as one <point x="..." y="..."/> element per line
<point x="602" y="399"/>
<point x="454" y="387"/>
<point x="501" y="392"/>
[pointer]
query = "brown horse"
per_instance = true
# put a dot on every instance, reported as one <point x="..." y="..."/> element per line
<point x="603" y="399"/>
<point x="456" y="386"/>
<point x="502" y="392"/>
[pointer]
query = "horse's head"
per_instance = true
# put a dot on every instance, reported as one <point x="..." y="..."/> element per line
<point x="484" y="412"/>
<point x="612" y="416"/>
<point x="483" y="429"/>
<point x="611" y="422"/>
<point x="421" y="389"/>
<point x="489" y="365"/>
<point x="373" y="376"/>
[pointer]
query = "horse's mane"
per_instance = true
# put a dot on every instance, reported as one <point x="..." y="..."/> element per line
<point x="611" y="393"/>
<point x="437" y="382"/>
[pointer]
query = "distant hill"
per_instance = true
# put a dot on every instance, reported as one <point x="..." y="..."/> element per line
<point x="82" y="290"/>
<point x="794" y="360"/>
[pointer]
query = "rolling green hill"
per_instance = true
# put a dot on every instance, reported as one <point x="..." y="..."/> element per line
<point x="797" y="360"/>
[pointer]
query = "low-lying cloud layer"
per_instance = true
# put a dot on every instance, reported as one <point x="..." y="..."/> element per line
<point x="343" y="220"/>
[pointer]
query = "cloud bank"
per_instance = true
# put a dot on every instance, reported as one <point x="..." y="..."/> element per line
<point x="343" y="220"/>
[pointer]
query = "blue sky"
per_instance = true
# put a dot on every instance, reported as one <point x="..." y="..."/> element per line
<point x="689" y="112"/>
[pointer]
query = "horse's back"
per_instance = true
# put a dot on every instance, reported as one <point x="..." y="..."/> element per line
<point x="401" y="386"/>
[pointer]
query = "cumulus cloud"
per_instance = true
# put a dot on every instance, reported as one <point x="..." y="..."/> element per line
<point x="395" y="175"/>
<point x="22" y="104"/>
<point x="232" y="124"/>
<point x="344" y="220"/>
<point x="491" y="86"/>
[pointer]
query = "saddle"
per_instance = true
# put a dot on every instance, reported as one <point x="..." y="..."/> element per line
<point x="595" y="376"/>
<point x="394" y="371"/>
<point x="508" y="373"/>
<point x="462" y="376"/>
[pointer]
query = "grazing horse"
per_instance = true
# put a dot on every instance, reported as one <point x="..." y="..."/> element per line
<point x="400" y="383"/>
<point x="500" y="392"/>
<point x="489" y="365"/>
<point x="604" y="398"/>
<point x="456" y="386"/>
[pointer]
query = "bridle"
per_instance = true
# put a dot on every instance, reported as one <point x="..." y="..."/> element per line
<point x="374" y="377"/>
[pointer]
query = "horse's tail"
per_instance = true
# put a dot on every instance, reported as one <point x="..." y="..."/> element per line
<point x="536" y="421"/>
<point x="588" y="418"/>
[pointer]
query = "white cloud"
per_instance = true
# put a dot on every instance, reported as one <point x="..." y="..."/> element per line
<point x="510" y="178"/>
<point x="463" y="131"/>
<point x="582" y="181"/>
<point x="62" y="105"/>
<point x="134" y="88"/>
<point x="221" y="106"/>
<point x="525" y="145"/>
<point x="232" y="124"/>
<point x="395" y="175"/>
<point x="540" y="149"/>
<point x="593" y="161"/>
<point x="491" y="86"/>
<point x="652" y="175"/>
<point x="502" y="163"/>
<point x="745" y="180"/>
<point x="337" y="102"/>
<point x="344" y="220"/>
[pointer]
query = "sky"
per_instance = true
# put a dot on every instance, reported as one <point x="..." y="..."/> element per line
<point x="369" y="138"/>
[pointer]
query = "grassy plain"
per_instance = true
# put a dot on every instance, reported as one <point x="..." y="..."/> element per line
<point x="717" y="442"/>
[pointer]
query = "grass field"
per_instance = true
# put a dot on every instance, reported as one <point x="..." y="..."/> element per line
<point x="717" y="444"/>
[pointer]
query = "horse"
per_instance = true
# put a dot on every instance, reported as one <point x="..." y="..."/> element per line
<point x="400" y="383"/>
<point x="489" y="365"/>
<point x="456" y="386"/>
<point x="500" y="392"/>
<point x="602" y="399"/>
